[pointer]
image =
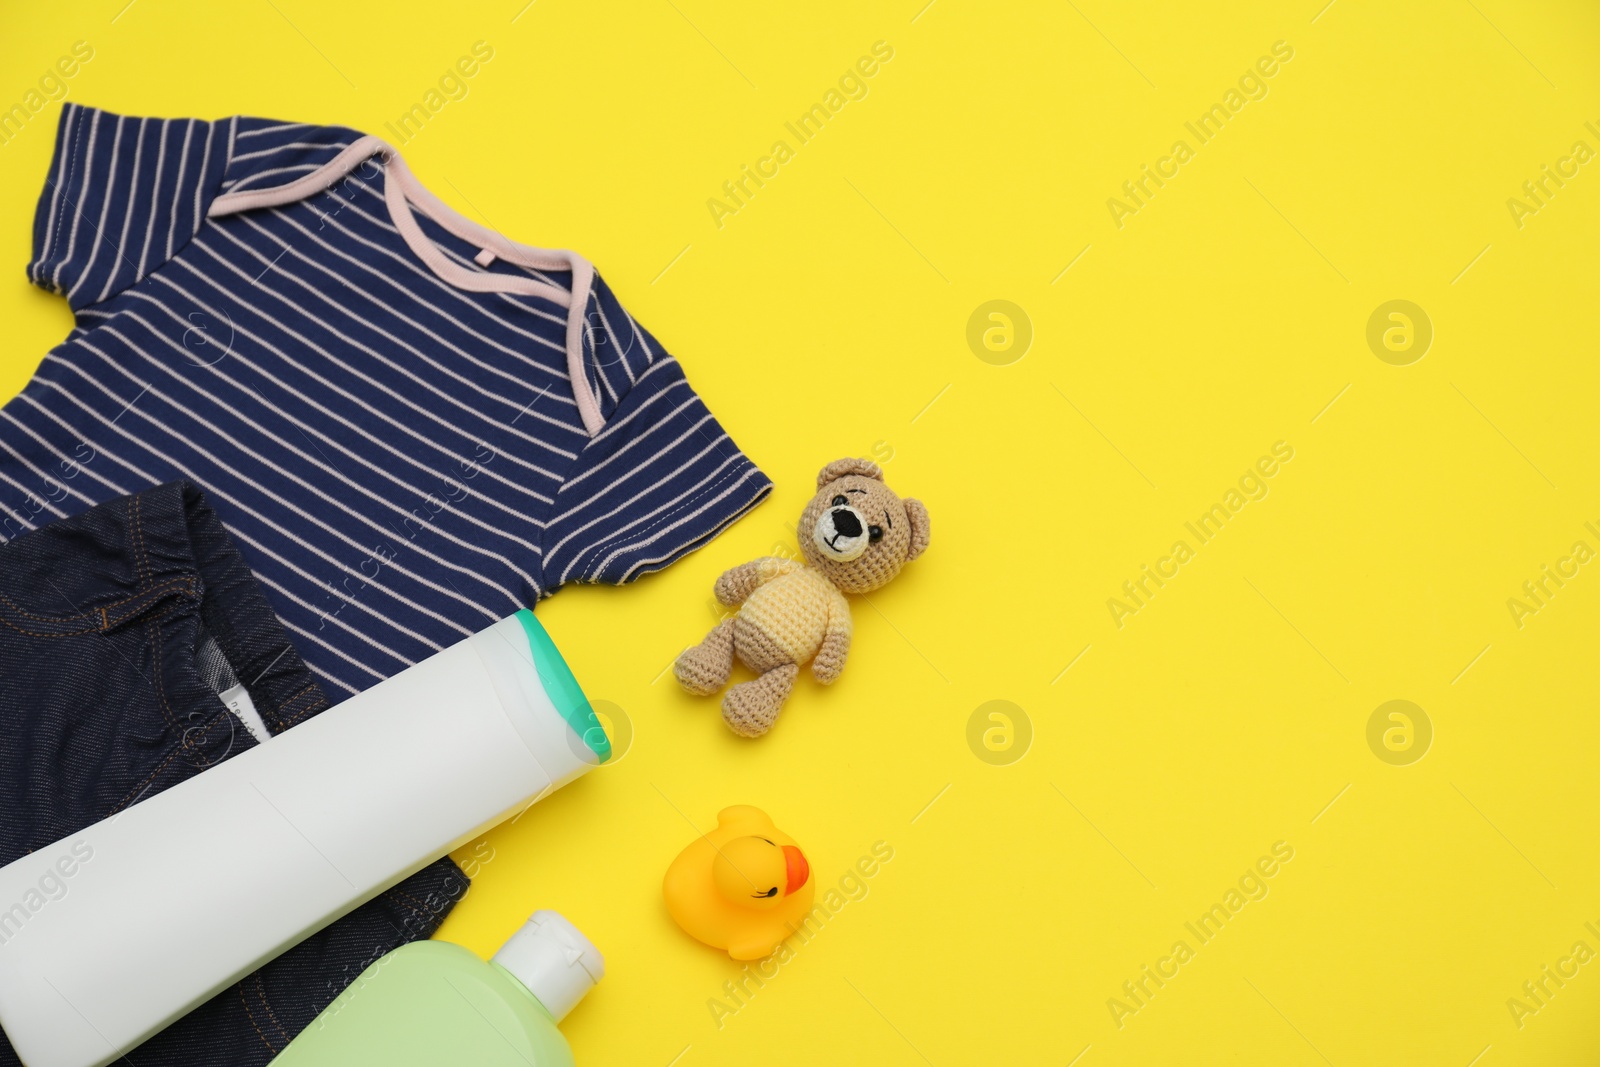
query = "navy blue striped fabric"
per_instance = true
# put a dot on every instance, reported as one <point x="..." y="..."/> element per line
<point x="386" y="423"/>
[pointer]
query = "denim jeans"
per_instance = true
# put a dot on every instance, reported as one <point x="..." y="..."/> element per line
<point x="119" y="627"/>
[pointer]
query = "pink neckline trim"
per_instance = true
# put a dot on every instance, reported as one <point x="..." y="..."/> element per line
<point x="401" y="191"/>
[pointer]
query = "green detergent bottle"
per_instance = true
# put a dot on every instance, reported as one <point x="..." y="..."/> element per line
<point x="432" y="1002"/>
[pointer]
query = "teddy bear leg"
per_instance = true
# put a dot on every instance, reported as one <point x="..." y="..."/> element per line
<point x="750" y="708"/>
<point x="705" y="668"/>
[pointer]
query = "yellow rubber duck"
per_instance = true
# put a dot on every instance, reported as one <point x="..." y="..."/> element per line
<point x="743" y="887"/>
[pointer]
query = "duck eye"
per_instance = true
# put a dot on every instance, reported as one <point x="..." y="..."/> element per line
<point x="771" y="892"/>
<point x="839" y="501"/>
<point x="875" y="533"/>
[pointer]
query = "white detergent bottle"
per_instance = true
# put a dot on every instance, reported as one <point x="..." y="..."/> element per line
<point x="302" y="829"/>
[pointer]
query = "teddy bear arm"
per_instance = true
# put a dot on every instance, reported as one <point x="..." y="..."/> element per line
<point x="737" y="583"/>
<point x="828" y="663"/>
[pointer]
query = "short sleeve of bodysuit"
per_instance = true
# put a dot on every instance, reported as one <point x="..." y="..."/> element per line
<point x="411" y="424"/>
<point x="122" y="195"/>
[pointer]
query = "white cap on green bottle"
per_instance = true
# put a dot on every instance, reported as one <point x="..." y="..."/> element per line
<point x="556" y="962"/>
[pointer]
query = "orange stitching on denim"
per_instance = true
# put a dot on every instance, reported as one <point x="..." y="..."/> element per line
<point x="316" y="705"/>
<point x="18" y="609"/>
<point x="163" y="766"/>
<point x="417" y="907"/>
<point x="149" y="596"/>
<point x="143" y="557"/>
<point x="302" y="692"/>
<point x="261" y="991"/>
<point x="153" y="625"/>
<point x="421" y="907"/>
<point x="135" y="790"/>
<point x="320" y="700"/>
<point x="37" y="633"/>
<point x="391" y="894"/>
<point x="72" y="633"/>
<point x="133" y="539"/>
<point x="252" y="1017"/>
<point x="290" y="703"/>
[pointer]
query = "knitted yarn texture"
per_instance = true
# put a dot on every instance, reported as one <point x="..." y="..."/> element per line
<point x="855" y="536"/>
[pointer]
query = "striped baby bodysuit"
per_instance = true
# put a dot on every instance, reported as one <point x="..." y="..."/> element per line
<point x="411" y="425"/>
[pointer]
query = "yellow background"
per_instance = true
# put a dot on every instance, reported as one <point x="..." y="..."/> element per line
<point x="828" y="317"/>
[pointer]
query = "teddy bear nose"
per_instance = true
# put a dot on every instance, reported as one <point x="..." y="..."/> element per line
<point x="846" y="522"/>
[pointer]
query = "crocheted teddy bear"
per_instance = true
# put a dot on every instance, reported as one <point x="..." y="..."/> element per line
<point x="855" y="534"/>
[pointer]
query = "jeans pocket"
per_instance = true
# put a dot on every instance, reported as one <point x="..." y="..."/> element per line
<point x="27" y="620"/>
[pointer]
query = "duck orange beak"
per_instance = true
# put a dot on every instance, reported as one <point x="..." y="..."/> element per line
<point x="795" y="867"/>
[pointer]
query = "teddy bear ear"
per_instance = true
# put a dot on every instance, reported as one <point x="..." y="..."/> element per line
<point x="920" y="532"/>
<point x="841" y="467"/>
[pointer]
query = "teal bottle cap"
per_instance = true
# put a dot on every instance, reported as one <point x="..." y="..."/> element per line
<point x="562" y="687"/>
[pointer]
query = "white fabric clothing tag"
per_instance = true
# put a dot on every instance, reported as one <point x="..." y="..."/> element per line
<point x="239" y="702"/>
